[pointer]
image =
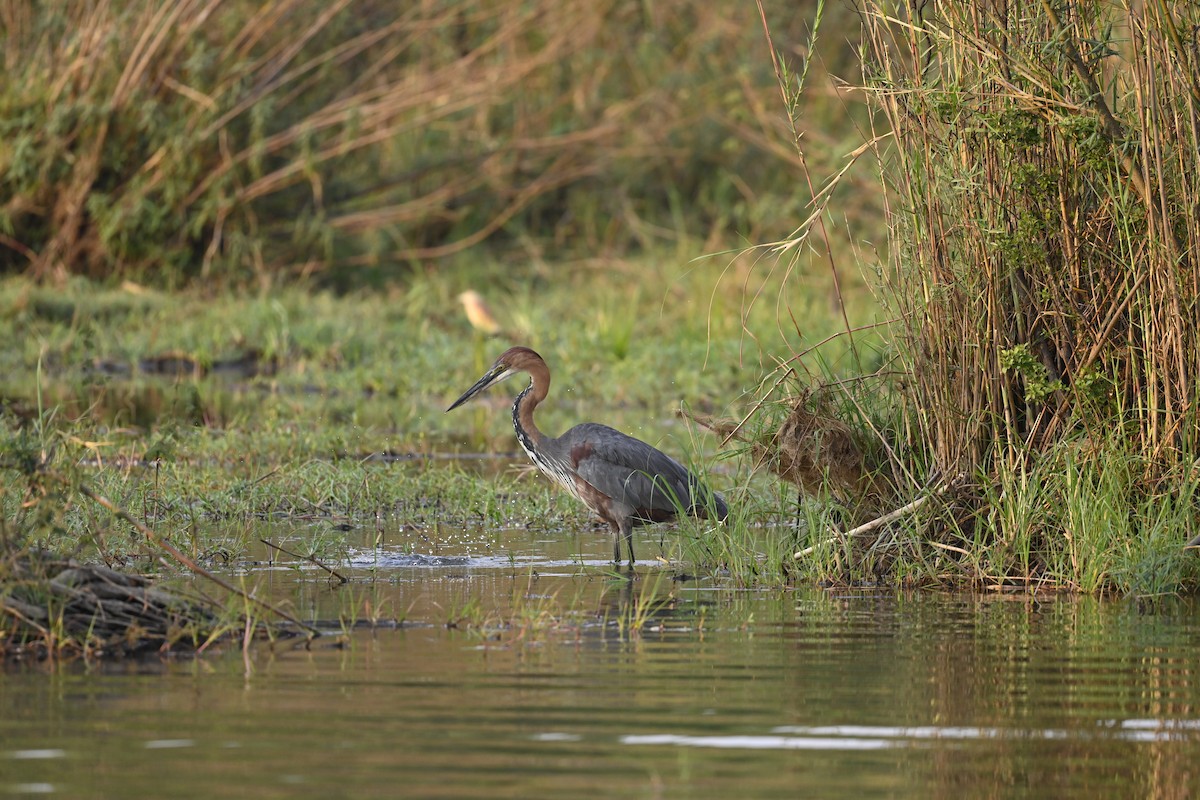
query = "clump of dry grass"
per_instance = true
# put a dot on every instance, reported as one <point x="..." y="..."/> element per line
<point x="811" y="449"/>
<point x="202" y="138"/>
<point x="1044" y="189"/>
<point x="52" y="606"/>
<point x="1047" y="178"/>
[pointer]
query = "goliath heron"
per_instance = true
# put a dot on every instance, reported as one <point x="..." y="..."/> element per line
<point x="624" y="480"/>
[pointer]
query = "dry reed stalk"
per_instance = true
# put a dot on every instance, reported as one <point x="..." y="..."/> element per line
<point x="201" y="136"/>
<point x="1046" y="181"/>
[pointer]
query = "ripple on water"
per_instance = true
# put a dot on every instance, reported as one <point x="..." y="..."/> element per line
<point x="860" y="693"/>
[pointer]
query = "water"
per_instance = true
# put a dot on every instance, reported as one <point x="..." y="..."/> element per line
<point x="813" y="693"/>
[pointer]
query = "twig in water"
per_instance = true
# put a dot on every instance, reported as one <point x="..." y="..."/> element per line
<point x="891" y="516"/>
<point x="154" y="538"/>
<point x="309" y="559"/>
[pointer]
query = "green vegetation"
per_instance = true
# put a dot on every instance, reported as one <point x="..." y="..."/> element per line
<point x="208" y="417"/>
<point x="1043" y="178"/>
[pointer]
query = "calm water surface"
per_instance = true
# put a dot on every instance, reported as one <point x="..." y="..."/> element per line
<point x="838" y="693"/>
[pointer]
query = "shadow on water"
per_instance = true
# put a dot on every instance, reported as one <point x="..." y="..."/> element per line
<point x="523" y="665"/>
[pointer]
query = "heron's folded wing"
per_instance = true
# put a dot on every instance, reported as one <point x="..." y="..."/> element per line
<point x="631" y="471"/>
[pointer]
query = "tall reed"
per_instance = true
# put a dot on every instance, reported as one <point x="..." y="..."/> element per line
<point x="1044" y="235"/>
<point x="184" y="139"/>
<point x="1047" y="178"/>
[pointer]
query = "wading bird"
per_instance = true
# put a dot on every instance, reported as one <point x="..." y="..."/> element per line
<point x="624" y="480"/>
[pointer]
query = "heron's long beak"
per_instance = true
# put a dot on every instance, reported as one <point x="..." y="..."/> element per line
<point x="497" y="373"/>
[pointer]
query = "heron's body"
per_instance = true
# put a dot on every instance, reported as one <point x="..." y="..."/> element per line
<point x="624" y="480"/>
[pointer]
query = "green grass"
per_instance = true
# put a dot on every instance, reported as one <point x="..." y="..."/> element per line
<point x="1081" y="517"/>
<point x="354" y="376"/>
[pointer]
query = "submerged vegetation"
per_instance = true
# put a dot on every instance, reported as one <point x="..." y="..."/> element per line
<point x="1013" y="408"/>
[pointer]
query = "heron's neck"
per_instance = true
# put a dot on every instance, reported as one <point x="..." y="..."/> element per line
<point x="522" y="414"/>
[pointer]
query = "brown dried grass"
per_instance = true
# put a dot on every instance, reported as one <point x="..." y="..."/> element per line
<point x="198" y="138"/>
<point x="1045" y="224"/>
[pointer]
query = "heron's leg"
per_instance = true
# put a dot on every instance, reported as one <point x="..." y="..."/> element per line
<point x="627" y="535"/>
<point x="623" y="530"/>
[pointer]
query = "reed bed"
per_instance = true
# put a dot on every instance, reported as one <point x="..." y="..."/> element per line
<point x="174" y="141"/>
<point x="1043" y="180"/>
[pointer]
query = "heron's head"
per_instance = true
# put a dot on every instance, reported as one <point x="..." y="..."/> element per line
<point x="512" y="361"/>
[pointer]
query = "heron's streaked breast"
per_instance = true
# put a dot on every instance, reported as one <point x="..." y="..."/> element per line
<point x="558" y="471"/>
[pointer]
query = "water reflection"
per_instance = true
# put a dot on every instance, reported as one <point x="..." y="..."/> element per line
<point x="712" y="692"/>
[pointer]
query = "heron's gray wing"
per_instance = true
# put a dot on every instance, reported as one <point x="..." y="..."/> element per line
<point x="631" y="471"/>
